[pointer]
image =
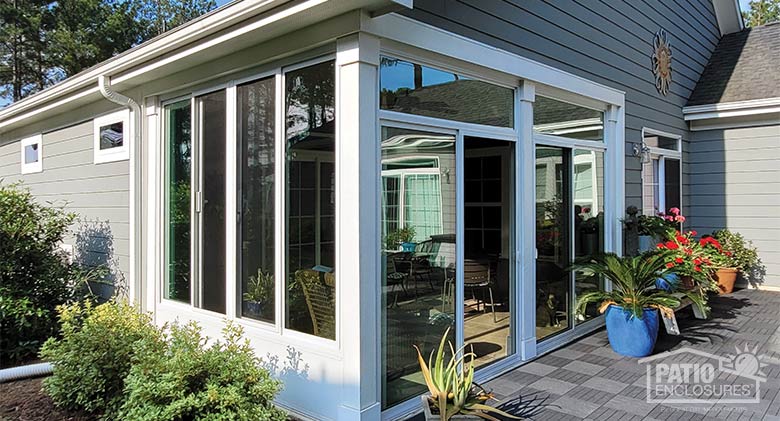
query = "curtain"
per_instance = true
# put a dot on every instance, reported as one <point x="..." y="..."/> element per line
<point x="422" y="205"/>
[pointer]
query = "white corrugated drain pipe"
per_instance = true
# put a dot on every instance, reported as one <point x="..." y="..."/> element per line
<point x="25" y="372"/>
<point x="104" y="83"/>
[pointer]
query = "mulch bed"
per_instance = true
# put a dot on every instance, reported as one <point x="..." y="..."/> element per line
<point x="23" y="400"/>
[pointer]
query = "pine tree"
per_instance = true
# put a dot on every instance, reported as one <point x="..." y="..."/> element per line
<point x="762" y="12"/>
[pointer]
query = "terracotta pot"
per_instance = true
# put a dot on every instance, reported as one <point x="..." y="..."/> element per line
<point x="725" y="277"/>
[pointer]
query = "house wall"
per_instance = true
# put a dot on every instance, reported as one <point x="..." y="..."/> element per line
<point x="609" y="42"/>
<point x="734" y="177"/>
<point x="97" y="193"/>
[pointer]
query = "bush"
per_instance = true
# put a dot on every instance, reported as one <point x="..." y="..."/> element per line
<point x="189" y="381"/>
<point x="93" y="357"/>
<point x="744" y="255"/>
<point x="35" y="276"/>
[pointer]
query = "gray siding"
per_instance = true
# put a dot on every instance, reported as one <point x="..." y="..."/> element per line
<point x="98" y="193"/>
<point x="606" y="41"/>
<point x="734" y="177"/>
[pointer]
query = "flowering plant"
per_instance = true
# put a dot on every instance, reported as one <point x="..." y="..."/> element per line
<point x="718" y="255"/>
<point x="659" y="225"/>
<point x="686" y="257"/>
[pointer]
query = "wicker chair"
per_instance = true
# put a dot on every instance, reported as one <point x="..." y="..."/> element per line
<point x="320" y="295"/>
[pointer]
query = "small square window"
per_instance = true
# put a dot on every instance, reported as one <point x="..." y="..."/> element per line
<point x="112" y="135"/>
<point x="32" y="154"/>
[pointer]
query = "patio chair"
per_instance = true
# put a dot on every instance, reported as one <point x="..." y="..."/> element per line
<point x="319" y="291"/>
<point x="476" y="275"/>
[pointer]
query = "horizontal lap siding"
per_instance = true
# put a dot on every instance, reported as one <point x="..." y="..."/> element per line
<point x="734" y="177"/>
<point x="97" y="193"/>
<point x="609" y="42"/>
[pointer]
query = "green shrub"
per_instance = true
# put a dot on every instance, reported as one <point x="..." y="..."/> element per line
<point x="188" y="380"/>
<point x="35" y="276"/>
<point x="744" y="255"/>
<point x="98" y="346"/>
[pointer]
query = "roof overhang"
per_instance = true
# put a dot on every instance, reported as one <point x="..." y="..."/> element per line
<point x="732" y="109"/>
<point x="729" y="16"/>
<point x="231" y="28"/>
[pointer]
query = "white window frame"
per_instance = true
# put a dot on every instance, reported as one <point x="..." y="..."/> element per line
<point x="661" y="154"/>
<point x="119" y="153"/>
<point x="32" y="167"/>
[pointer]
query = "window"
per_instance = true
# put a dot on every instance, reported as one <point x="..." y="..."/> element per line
<point x="416" y="89"/>
<point x="256" y="130"/>
<point x="32" y="154"/>
<point x="661" y="172"/>
<point x="560" y="118"/>
<point x="178" y="200"/>
<point x="310" y="191"/>
<point x="111" y="137"/>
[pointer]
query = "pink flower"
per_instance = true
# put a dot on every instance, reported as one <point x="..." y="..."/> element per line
<point x="674" y="211"/>
<point x="679" y="218"/>
<point x="669" y="218"/>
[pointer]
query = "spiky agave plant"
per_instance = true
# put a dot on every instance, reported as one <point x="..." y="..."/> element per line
<point x="633" y="284"/>
<point x="452" y="386"/>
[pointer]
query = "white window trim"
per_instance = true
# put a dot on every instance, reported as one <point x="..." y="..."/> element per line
<point x="32" y="167"/>
<point x="661" y="155"/>
<point x="120" y="153"/>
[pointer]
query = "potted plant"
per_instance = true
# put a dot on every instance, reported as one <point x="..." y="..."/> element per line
<point x="453" y="393"/>
<point x="654" y="227"/>
<point x="687" y="258"/>
<point x="260" y="288"/>
<point x="633" y="304"/>
<point x="744" y="256"/>
<point x="724" y="273"/>
<point x="403" y="237"/>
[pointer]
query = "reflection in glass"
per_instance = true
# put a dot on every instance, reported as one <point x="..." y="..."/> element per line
<point x="672" y="183"/>
<point x="178" y="172"/>
<point x="310" y="116"/>
<point x="31" y="153"/>
<point x="256" y="170"/>
<point x="588" y="219"/>
<point x="553" y="213"/>
<point x="418" y="278"/>
<point x="560" y="118"/>
<point x="111" y="136"/>
<point x="662" y="142"/>
<point x="212" y="120"/>
<point x="488" y="283"/>
<point x="651" y="200"/>
<point x="416" y="89"/>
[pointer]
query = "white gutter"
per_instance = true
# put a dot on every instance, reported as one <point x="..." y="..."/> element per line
<point x="732" y="109"/>
<point x="104" y="84"/>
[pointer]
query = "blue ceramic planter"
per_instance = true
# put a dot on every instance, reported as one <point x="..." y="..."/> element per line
<point x="408" y="247"/>
<point x="631" y="336"/>
<point x="668" y="282"/>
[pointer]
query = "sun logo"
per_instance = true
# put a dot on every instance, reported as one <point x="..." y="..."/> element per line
<point x="662" y="61"/>
<point x="746" y="362"/>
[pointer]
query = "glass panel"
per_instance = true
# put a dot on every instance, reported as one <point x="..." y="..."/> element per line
<point x="553" y="210"/>
<point x="310" y="117"/>
<point x="31" y="153"/>
<point x="418" y="281"/>
<point x="111" y="136"/>
<point x="488" y="281"/>
<point x="655" y="141"/>
<point x="650" y="197"/>
<point x="212" y="146"/>
<point x="672" y="183"/>
<point x="178" y="173"/>
<point x="588" y="219"/>
<point x="256" y="127"/>
<point x="568" y="120"/>
<point x="416" y="89"/>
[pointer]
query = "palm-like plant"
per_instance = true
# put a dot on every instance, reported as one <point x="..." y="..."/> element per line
<point x="452" y="386"/>
<point x="633" y="284"/>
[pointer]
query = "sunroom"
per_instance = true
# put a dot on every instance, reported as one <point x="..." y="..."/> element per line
<point x="380" y="183"/>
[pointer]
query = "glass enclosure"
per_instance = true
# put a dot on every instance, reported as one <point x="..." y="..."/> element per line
<point x="560" y="118"/>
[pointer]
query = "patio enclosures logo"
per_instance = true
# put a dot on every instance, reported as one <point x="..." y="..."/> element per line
<point x="689" y="376"/>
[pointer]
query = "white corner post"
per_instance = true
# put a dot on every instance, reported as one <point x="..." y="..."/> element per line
<point x="149" y="187"/>
<point x="526" y="156"/>
<point x="614" y="133"/>
<point x="357" y="225"/>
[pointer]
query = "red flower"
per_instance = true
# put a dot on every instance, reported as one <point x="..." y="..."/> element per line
<point x="678" y="260"/>
<point x="693" y="233"/>
<point x="661" y="246"/>
<point x="670" y="265"/>
<point x="671" y="245"/>
<point x="697" y="261"/>
<point x="688" y="251"/>
<point x="697" y="269"/>
<point x="728" y="253"/>
<point x="681" y="239"/>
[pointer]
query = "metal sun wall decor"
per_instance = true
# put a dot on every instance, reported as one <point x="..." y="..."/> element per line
<point x="662" y="62"/>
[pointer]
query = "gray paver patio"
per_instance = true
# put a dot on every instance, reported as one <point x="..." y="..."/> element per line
<point x="586" y="380"/>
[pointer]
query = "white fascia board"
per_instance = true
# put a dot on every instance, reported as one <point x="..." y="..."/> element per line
<point x="732" y="109"/>
<point x="728" y="15"/>
<point x="408" y="31"/>
<point x="230" y="23"/>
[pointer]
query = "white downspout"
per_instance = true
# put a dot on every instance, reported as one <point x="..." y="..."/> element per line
<point x="104" y="83"/>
